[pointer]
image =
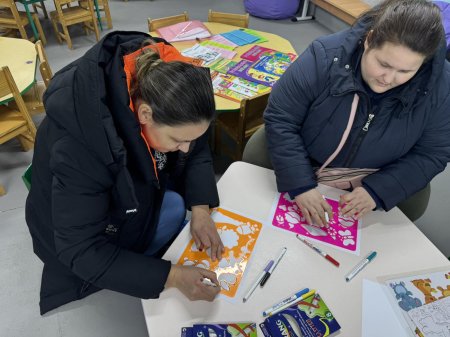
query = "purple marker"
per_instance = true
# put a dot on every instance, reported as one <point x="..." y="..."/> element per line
<point x="258" y="280"/>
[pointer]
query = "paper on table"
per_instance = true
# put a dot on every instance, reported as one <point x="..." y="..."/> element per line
<point x="378" y="317"/>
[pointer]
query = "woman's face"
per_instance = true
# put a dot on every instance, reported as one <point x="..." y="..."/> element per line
<point x="389" y="66"/>
<point x="165" y="138"/>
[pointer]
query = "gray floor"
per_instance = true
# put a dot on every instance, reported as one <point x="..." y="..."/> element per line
<point x="106" y="313"/>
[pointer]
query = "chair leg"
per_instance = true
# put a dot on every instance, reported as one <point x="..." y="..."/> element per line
<point x="44" y="9"/>
<point x="239" y="151"/>
<point x="107" y="14"/>
<point x="67" y="37"/>
<point x="23" y="32"/>
<point x="96" y="31"/>
<point x="55" y="28"/>
<point x="39" y="29"/>
<point x="27" y="141"/>
<point x="2" y="190"/>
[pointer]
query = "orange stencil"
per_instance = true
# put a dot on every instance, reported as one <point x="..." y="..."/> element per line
<point x="239" y="235"/>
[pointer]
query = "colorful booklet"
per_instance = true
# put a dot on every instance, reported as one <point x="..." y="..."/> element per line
<point x="240" y="37"/>
<point x="257" y="52"/>
<point x="310" y="317"/>
<point x="183" y="31"/>
<point x="245" y="70"/>
<point x="235" y="88"/>
<point x="220" y="330"/>
<point x="222" y="66"/>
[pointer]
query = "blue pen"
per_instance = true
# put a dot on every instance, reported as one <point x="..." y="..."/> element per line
<point x="285" y="301"/>
<point x="360" y="266"/>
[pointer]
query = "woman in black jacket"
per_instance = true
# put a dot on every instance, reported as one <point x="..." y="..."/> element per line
<point x="123" y="150"/>
<point x="385" y="84"/>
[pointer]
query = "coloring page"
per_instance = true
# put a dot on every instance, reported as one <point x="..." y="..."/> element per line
<point x="433" y="320"/>
<point x="408" y="293"/>
<point x="239" y="235"/>
<point x="343" y="232"/>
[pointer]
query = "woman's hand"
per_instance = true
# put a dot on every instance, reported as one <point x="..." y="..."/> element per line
<point x="204" y="232"/>
<point x="314" y="207"/>
<point x="356" y="203"/>
<point x="188" y="280"/>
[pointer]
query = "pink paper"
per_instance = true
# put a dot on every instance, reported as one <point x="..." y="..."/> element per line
<point x="342" y="233"/>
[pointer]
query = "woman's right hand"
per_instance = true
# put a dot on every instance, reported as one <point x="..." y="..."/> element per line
<point x="188" y="280"/>
<point x="314" y="207"/>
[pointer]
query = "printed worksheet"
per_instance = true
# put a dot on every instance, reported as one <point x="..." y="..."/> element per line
<point x="411" y="296"/>
<point x="433" y="320"/>
<point x="343" y="232"/>
<point x="239" y="235"/>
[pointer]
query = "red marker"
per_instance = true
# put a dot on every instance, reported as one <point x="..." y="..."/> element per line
<point x="325" y="255"/>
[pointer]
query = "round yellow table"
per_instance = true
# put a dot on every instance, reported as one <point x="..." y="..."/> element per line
<point x="274" y="41"/>
<point x="20" y="57"/>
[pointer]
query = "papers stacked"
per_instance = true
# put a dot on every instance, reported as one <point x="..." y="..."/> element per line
<point x="183" y="31"/>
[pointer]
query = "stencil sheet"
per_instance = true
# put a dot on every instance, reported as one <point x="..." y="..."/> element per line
<point x="343" y="232"/>
<point x="239" y="235"/>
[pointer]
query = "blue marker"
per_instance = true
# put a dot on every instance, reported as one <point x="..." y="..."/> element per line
<point x="360" y="266"/>
<point x="285" y="301"/>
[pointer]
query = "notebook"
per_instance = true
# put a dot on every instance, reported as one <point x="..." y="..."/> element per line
<point x="183" y="31"/>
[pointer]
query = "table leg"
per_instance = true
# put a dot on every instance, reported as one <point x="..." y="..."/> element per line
<point x="98" y="15"/>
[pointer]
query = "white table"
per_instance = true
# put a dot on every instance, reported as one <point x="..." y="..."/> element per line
<point x="250" y="190"/>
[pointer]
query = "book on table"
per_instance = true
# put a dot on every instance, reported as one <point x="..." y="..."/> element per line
<point x="235" y="88"/>
<point x="184" y="31"/>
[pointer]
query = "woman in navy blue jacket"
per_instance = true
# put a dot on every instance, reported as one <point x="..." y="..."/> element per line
<point x="391" y="66"/>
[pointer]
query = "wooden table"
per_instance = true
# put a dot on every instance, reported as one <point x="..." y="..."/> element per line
<point x="20" y="56"/>
<point x="250" y="190"/>
<point x="274" y="41"/>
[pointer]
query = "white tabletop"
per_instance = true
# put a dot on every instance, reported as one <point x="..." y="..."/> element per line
<point x="250" y="190"/>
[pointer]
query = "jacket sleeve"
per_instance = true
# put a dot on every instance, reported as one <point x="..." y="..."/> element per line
<point x="81" y="206"/>
<point x="199" y="179"/>
<point x="399" y="180"/>
<point x="288" y="107"/>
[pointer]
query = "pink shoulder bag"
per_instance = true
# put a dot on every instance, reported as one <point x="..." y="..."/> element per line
<point x="343" y="178"/>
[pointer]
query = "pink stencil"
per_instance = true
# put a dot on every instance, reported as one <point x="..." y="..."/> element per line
<point x="343" y="232"/>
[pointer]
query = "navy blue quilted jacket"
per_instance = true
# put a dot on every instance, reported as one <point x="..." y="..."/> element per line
<point x="408" y="139"/>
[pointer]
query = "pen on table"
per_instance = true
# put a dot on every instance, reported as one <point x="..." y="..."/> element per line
<point x="285" y="301"/>
<point x="184" y="29"/>
<point x="327" y="217"/>
<point x="360" y="266"/>
<point x="258" y="280"/>
<point x="275" y="264"/>
<point x="321" y="252"/>
<point x="287" y="305"/>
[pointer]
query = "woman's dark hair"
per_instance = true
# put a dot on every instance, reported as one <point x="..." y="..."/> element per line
<point x="415" y="24"/>
<point x="178" y="93"/>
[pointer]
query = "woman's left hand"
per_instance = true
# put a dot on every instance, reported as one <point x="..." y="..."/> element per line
<point x="356" y="203"/>
<point x="204" y="232"/>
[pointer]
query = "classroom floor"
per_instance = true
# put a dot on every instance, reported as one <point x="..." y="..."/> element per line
<point x="110" y="314"/>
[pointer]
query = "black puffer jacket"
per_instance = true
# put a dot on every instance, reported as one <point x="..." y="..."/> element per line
<point x="408" y="139"/>
<point x="95" y="198"/>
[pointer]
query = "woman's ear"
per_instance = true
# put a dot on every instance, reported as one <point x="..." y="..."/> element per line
<point x="367" y="40"/>
<point x="144" y="112"/>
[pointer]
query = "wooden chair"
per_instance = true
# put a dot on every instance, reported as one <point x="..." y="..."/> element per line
<point x="103" y="6"/>
<point x="11" y="18"/>
<point x="240" y="126"/>
<point x="70" y="12"/>
<point x="154" y="24"/>
<point x="41" y="6"/>
<point x="33" y="98"/>
<point x="240" y="20"/>
<point x="14" y="122"/>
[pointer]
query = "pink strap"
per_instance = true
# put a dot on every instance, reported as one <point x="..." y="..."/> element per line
<point x="345" y="135"/>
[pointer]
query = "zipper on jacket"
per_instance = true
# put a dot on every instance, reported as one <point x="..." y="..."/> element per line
<point x="357" y="143"/>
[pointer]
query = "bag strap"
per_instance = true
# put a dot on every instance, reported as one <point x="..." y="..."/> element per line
<point x="345" y="135"/>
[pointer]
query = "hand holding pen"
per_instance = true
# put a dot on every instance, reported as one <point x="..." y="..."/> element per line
<point x="314" y="207"/>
